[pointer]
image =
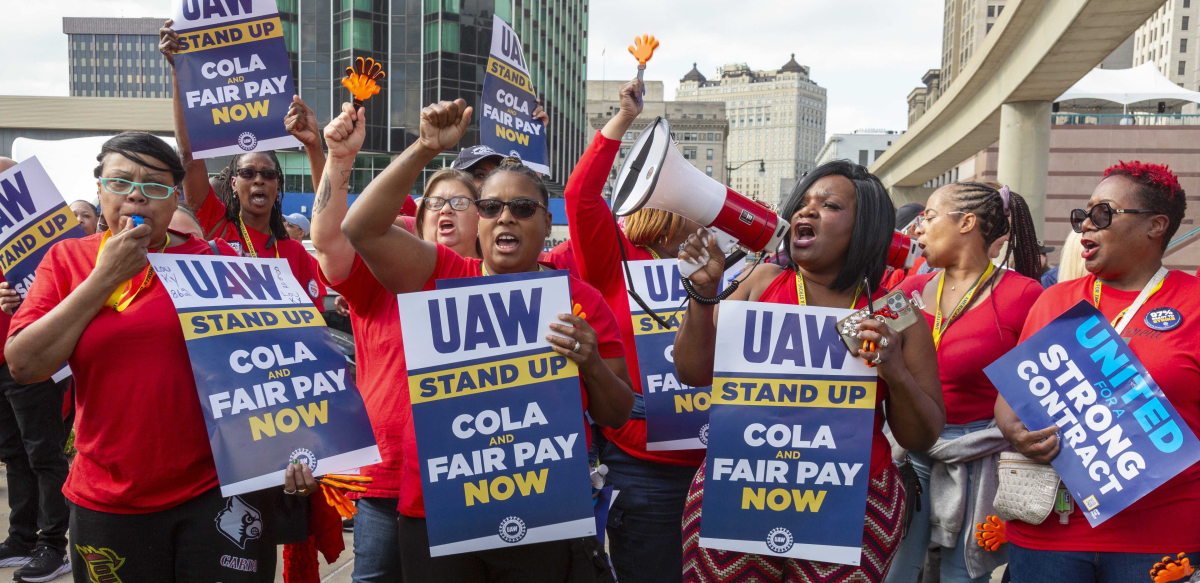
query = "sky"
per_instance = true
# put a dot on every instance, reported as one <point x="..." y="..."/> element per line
<point x="868" y="54"/>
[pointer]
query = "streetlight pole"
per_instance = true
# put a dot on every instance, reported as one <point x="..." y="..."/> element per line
<point x="762" y="169"/>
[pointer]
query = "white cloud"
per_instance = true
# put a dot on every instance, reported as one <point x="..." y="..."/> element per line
<point x="868" y="54"/>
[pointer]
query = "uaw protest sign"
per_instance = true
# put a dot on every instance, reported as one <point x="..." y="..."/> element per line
<point x="33" y="217"/>
<point x="498" y="414"/>
<point x="235" y="79"/>
<point x="506" y="124"/>
<point x="676" y="414"/>
<point x="272" y="383"/>
<point x="789" y="450"/>
<point x="1120" y="438"/>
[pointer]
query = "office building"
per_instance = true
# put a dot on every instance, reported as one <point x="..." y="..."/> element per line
<point x="116" y="57"/>
<point x="699" y="129"/>
<point x="862" y="146"/>
<point x="965" y="24"/>
<point x="776" y="121"/>
<point x="431" y="50"/>
<point x="1168" y="39"/>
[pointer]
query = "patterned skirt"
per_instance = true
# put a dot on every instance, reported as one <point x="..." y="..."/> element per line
<point x="881" y="538"/>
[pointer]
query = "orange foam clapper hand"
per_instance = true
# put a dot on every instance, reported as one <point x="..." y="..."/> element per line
<point x="643" y="48"/>
<point x="990" y="535"/>
<point x="1171" y="569"/>
<point x="363" y="79"/>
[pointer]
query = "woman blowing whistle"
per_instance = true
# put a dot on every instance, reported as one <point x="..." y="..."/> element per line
<point x="513" y="225"/>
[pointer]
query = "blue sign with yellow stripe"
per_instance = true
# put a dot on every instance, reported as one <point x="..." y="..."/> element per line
<point x="506" y="121"/>
<point x="33" y="217"/>
<point x="498" y="414"/>
<point x="272" y="382"/>
<point x="789" y="451"/>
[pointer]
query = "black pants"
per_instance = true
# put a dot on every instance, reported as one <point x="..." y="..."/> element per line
<point x="32" y="435"/>
<point x="206" y="539"/>
<point x="548" y="562"/>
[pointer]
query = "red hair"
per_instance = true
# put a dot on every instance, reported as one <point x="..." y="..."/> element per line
<point x="1156" y="175"/>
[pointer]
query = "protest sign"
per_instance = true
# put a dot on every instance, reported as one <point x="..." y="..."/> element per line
<point x="33" y="217"/>
<point x="676" y="414"/>
<point x="1079" y="374"/>
<point x="507" y="125"/>
<point x="498" y="414"/>
<point x="235" y="79"/>
<point x="272" y="383"/>
<point x="789" y="450"/>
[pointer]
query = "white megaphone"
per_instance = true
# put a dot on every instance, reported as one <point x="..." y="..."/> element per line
<point x="656" y="175"/>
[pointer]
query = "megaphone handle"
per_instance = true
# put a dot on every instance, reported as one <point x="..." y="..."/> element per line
<point x="641" y="74"/>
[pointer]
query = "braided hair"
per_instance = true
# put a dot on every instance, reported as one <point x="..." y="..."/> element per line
<point x="233" y="206"/>
<point x="1158" y="189"/>
<point x="513" y="164"/>
<point x="998" y="218"/>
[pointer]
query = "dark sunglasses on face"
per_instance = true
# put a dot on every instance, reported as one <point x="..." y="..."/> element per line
<point x="1101" y="216"/>
<point x="266" y="173"/>
<point x="458" y="203"/>
<point x="521" y="208"/>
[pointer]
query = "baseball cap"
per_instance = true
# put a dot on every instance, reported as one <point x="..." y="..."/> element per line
<point x="469" y="157"/>
<point x="906" y="213"/>
<point x="1045" y="249"/>
<point x="299" y="220"/>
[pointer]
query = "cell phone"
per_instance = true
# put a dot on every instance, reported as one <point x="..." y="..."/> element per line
<point x="894" y="304"/>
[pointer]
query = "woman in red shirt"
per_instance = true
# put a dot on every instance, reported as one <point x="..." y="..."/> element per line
<point x="643" y="525"/>
<point x="513" y="226"/>
<point x="143" y="487"/>
<point x="251" y="219"/>
<point x="842" y="222"/>
<point x="976" y="311"/>
<point x="1130" y="218"/>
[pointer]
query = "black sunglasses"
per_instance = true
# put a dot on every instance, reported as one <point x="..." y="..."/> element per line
<point x="521" y="208"/>
<point x="1101" y="216"/>
<point x="458" y="203"/>
<point x="266" y="173"/>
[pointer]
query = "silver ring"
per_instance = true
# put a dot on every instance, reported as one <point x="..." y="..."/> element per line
<point x="576" y="349"/>
<point x="883" y="342"/>
<point x="878" y="358"/>
<point x="292" y="493"/>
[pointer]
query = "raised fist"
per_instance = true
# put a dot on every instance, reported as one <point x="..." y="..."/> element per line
<point x="444" y="123"/>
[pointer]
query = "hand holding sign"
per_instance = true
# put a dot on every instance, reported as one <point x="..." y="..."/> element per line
<point x="301" y="122"/>
<point x="10" y="300"/>
<point x="444" y="123"/>
<point x="168" y="42"/>
<point x="1040" y="446"/>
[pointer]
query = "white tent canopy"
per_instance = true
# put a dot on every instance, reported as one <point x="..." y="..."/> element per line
<point x="1126" y="86"/>
<point x="70" y="162"/>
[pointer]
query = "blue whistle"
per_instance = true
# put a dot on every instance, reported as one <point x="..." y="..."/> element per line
<point x="138" y="220"/>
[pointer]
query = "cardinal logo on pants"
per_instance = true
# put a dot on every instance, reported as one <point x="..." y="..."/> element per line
<point x="239" y="522"/>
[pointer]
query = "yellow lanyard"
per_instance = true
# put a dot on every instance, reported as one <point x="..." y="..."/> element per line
<point x="249" y="243"/>
<point x="802" y="298"/>
<point x="940" y="326"/>
<point x="646" y="247"/>
<point x="123" y="296"/>
<point x="1097" y="289"/>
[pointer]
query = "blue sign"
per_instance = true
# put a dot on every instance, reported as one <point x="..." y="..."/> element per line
<point x="497" y="413"/>
<point x="273" y="384"/>
<point x="1079" y="374"/>
<point x="235" y="79"/>
<point x="506" y="124"/>
<point x="33" y="217"/>
<point x="789" y="452"/>
<point x="676" y="414"/>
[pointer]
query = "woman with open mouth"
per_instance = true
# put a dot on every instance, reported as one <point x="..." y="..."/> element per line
<point x="513" y="224"/>
<point x="446" y="214"/>
<point x="1132" y="214"/>
<point x="842" y="223"/>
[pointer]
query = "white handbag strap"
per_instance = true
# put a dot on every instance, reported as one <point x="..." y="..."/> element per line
<point x="1141" y="299"/>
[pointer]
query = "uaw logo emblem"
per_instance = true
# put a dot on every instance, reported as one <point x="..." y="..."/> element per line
<point x="704" y="434"/>
<point x="305" y="456"/>
<point x="779" y="540"/>
<point x="247" y="141"/>
<point x="102" y="564"/>
<point x="239" y="522"/>
<point x="512" y="529"/>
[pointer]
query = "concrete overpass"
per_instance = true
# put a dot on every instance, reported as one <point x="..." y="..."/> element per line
<point x="1034" y="53"/>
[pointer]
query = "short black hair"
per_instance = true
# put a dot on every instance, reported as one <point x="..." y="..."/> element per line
<point x="513" y="164"/>
<point x="874" y="222"/>
<point x="129" y="143"/>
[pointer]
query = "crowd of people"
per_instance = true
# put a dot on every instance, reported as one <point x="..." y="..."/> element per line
<point x="142" y="492"/>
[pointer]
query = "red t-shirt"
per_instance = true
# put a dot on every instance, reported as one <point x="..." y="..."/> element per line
<point x="304" y="265"/>
<point x="450" y="265"/>
<point x="782" y="290"/>
<point x="594" y="242"/>
<point x="4" y="322"/>
<point x="981" y="335"/>
<point x="382" y="376"/>
<point x="897" y="276"/>
<point x="561" y="257"/>
<point x="1161" y="522"/>
<point x="143" y="446"/>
